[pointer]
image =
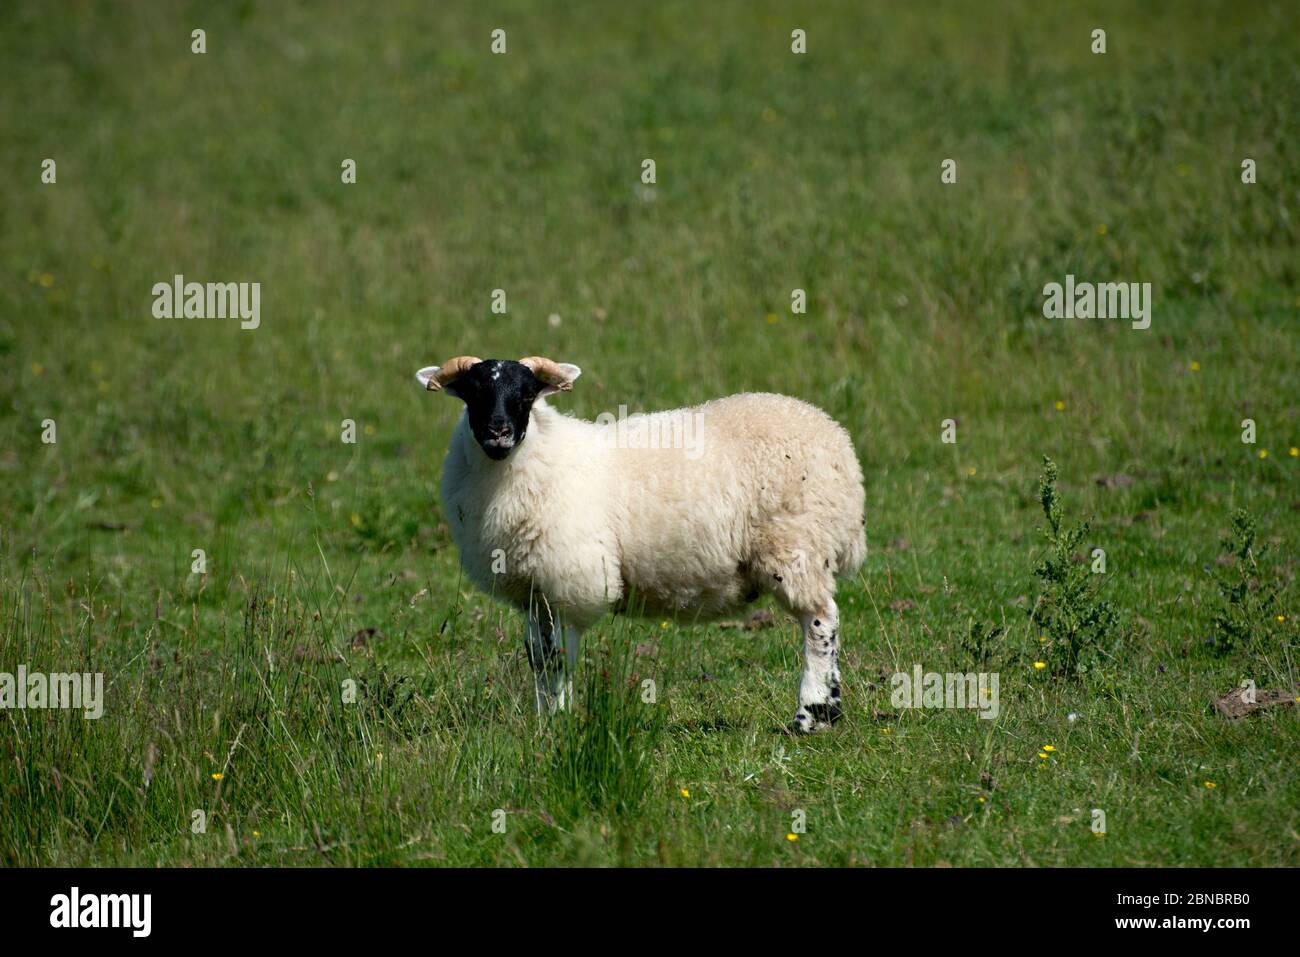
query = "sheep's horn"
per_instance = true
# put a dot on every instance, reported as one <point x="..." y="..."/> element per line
<point x="549" y="371"/>
<point x="450" y="371"/>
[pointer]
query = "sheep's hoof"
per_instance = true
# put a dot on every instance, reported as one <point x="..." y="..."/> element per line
<point x="811" y="718"/>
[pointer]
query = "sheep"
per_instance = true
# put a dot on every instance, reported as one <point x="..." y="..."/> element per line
<point x="569" y="520"/>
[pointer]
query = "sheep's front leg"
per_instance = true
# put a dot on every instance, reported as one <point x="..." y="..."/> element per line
<point x="553" y="653"/>
<point x="819" y="688"/>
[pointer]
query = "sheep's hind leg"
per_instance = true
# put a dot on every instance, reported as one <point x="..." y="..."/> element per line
<point x="553" y="664"/>
<point x="819" y="688"/>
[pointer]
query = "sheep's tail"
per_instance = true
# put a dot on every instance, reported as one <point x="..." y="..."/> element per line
<point x="851" y="557"/>
<point x="853" y="548"/>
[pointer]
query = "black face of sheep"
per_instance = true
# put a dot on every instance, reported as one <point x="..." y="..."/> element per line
<point x="498" y="395"/>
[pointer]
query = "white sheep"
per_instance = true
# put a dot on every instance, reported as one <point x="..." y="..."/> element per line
<point x="695" y="512"/>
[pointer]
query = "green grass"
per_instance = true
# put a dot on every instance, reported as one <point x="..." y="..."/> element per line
<point x="521" y="172"/>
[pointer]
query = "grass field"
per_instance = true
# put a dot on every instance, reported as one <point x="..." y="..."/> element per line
<point x="329" y="562"/>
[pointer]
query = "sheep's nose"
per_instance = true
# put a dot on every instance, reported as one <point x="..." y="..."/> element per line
<point x="499" y="428"/>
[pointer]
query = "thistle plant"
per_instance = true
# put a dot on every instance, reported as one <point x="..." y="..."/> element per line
<point x="1249" y="599"/>
<point x="1068" y="611"/>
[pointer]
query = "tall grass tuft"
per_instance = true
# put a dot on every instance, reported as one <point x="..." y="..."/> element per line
<point x="603" y="749"/>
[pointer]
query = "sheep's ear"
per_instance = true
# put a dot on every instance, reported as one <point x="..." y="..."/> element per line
<point x="434" y="378"/>
<point x="571" y="372"/>
<point x="556" y="376"/>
